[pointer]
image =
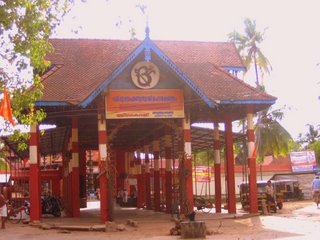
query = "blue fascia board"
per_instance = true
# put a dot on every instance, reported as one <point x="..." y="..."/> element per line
<point x="50" y="104"/>
<point x="248" y="102"/>
<point x="235" y="69"/>
<point x="182" y="75"/>
<point x="116" y="72"/>
<point x="147" y="43"/>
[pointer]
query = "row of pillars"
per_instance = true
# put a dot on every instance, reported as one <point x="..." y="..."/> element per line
<point x="71" y="173"/>
<point x="144" y="177"/>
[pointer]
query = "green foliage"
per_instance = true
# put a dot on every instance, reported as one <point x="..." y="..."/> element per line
<point x="25" y="28"/>
<point x="271" y="137"/>
<point x="311" y="136"/>
<point x="3" y="165"/>
<point x="295" y="146"/>
<point x="315" y="146"/>
<point x="204" y="158"/>
<point x="248" y="45"/>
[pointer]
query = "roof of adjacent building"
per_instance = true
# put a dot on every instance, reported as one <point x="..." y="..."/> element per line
<point x="81" y="66"/>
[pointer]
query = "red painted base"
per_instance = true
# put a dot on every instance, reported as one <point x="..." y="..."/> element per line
<point x="157" y="191"/>
<point x="217" y="185"/>
<point x="148" y="191"/>
<point x="34" y="190"/>
<point x="103" y="198"/>
<point x="168" y="192"/>
<point x="75" y="192"/>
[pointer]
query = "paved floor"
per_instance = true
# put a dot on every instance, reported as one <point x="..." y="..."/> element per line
<point x="296" y="221"/>
<point x="91" y="216"/>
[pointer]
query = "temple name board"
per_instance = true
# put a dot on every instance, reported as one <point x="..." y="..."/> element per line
<point x="154" y="103"/>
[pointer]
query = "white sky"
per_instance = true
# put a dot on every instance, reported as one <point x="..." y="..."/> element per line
<point x="292" y="42"/>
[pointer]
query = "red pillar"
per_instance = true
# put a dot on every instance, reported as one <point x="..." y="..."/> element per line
<point x="168" y="173"/>
<point x="139" y="180"/>
<point x="230" y="167"/>
<point x="65" y="184"/>
<point x="217" y="168"/>
<point x="147" y="177"/>
<point x="75" y="197"/>
<point x="121" y="168"/>
<point x="83" y="177"/>
<point x="253" y="197"/>
<point x="156" y="153"/>
<point x="188" y="162"/>
<point x="34" y="178"/>
<point x="103" y="181"/>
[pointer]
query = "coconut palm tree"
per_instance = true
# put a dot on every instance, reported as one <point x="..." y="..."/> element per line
<point x="248" y="47"/>
<point x="312" y="135"/>
<point x="271" y="137"/>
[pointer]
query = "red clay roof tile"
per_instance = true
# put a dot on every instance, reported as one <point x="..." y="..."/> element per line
<point x="84" y="64"/>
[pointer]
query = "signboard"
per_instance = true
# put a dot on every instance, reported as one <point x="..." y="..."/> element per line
<point x="4" y="178"/>
<point x="153" y="103"/>
<point x="303" y="161"/>
<point x="201" y="174"/>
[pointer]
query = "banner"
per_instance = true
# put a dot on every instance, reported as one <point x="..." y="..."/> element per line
<point x="303" y="161"/>
<point x="155" y="103"/>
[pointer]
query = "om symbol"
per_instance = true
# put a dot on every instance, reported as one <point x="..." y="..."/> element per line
<point x="145" y="75"/>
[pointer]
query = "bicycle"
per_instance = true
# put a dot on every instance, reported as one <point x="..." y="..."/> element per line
<point x="14" y="214"/>
<point x="205" y="205"/>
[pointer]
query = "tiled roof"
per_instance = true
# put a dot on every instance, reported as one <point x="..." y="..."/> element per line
<point x="220" y="86"/>
<point x="84" y="64"/>
<point x="222" y="54"/>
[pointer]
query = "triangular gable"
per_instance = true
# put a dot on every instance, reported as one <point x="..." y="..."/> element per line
<point x="147" y="45"/>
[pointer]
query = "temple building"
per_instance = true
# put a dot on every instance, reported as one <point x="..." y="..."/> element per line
<point x="133" y="103"/>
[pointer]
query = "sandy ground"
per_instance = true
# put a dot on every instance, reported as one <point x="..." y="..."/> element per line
<point x="297" y="220"/>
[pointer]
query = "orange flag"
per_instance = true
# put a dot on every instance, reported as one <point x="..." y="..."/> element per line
<point x="5" y="108"/>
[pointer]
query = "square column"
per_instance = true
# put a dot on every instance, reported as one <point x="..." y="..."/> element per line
<point x="186" y="167"/>
<point x="147" y="177"/>
<point x="230" y="166"/>
<point x="75" y="197"/>
<point x="168" y="172"/>
<point x="156" y="174"/>
<point x="34" y="177"/>
<point x="217" y="168"/>
<point x="252" y="151"/>
<point x="103" y="181"/>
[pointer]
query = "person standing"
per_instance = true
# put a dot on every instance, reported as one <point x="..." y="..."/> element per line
<point x="315" y="188"/>
<point x="125" y="196"/>
<point x="3" y="210"/>
<point x="270" y="195"/>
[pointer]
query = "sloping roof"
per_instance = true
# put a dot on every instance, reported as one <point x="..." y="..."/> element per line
<point x="80" y="66"/>
<point x="222" y="87"/>
<point x="222" y="54"/>
<point x="85" y="64"/>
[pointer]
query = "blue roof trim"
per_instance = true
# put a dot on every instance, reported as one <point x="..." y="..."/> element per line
<point x="146" y="44"/>
<point x="116" y="72"/>
<point x="50" y="104"/>
<point x="247" y="101"/>
<point x="182" y="75"/>
<point x="235" y="69"/>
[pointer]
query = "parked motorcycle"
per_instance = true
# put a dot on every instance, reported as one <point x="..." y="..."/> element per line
<point x="26" y="205"/>
<point x="51" y="205"/>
